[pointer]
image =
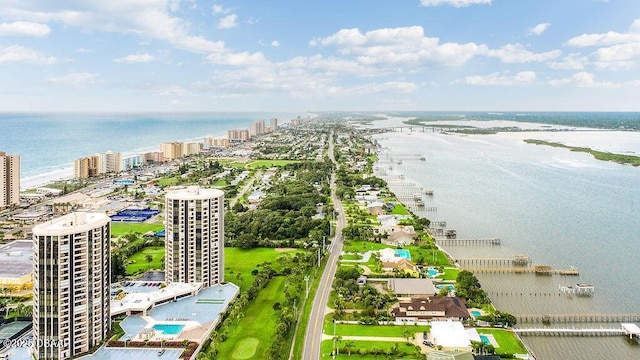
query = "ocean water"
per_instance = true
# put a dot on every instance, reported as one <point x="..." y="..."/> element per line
<point x="558" y="207"/>
<point x="49" y="142"/>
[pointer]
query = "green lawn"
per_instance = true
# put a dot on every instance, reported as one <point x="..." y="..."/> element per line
<point x="404" y="351"/>
<point x="399" y="209"/>
<point x="507" y="341"/>
<point x="137" y="263"/>
<point x="270" y="163"/>
<point x="362" y="246"/>
<point x="351" y="257"/>
<point x="239" y="261"/>
<point x="168" y="181"/>
<point x="253" y="334"/>
<point x="371" y="330"/>
<point x="123" y="228"/>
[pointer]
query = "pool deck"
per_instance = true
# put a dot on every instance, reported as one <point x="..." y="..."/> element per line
<point x="198" y="317"/>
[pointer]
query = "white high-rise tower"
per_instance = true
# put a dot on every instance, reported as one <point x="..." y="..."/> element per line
<point x="194" y="241"/>
<point x="71" y="285"/>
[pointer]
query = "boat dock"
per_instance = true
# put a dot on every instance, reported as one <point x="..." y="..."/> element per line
<point x="576" y="318"/>
<point x="520" y="260"/>
<point x="569" y="332"/>
<point x="537" y="269"/>
<point x="454" y="241"/>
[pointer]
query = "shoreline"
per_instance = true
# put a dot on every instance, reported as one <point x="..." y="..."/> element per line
<point x="65" y="173"/>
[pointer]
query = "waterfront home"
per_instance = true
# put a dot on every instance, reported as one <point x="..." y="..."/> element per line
<point x="411" y="288"/>
<point x="431" y="308"/>
<point x="398" y="238"/>
<point x="376" y="208"/>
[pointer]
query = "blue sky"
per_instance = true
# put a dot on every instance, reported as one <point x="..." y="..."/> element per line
<point x="277" y="55"/>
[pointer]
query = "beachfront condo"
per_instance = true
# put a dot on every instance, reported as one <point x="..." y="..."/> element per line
<point x="9" y="180"/>
<point x="194" y="240"/>
<point x="71" y="285"/>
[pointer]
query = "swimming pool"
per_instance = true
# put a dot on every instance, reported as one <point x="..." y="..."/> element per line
<point x="168" y="329"/>
<point x="485" y="339"/>
<point x="450" y="287"/>
<point x="476" y="313"/>
<point x="432" y="272"/>
<point x="403" y="253"/>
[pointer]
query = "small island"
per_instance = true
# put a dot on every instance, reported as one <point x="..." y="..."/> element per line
<point x="600" y="155"/>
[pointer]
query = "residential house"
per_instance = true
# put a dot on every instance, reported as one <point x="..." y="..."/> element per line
<point x="430" y="308"/>
<point x="449" y="355"/>
<point x="412" y="288"/>
<point x="398" y="238"/>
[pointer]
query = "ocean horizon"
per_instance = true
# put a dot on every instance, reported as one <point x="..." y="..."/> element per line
<point x="48" y="142"/>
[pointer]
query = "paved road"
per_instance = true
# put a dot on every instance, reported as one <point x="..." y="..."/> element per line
<point x="244" y="189"/>
<point x="313" y="335"/>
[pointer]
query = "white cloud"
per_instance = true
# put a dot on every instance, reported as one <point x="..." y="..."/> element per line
<point x="237" y="59"/>
<point x="539" y="29"/>
<point x="608" y="38"/>
<point x="174" y="5"/>
<point x="135" y="58"/>
<point x="24" y="28"/>
<point x="454" y="3"/>
<point x="18" y="53"/>
<point x="149" y="18"/>
<point x="570" y="62"/>
<point x="587" y="80"/>
<point x="78" y="80"/>
<point x="401" y="48"/>
<point x="497" y="79"/>
<point x="517" y="53"/>
<point x="275" y="43"/>
<point x="228" y="22"/>
<point x="619" y="56"/>
<point x="219" y="9"/>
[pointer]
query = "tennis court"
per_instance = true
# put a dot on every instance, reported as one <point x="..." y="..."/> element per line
<point x="11" y="330"/>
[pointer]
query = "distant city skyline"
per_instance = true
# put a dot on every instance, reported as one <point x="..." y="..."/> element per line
<point x="187" y="55"/>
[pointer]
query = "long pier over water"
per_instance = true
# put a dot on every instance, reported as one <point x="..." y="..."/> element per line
<point x="577" y="318"/>
<point x="487" y="241"/>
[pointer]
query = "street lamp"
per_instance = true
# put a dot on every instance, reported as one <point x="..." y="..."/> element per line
<point x="306" y="279"/>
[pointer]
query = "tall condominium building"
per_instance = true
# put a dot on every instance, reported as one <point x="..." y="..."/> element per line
<point x="86" y="167"/>
<point x="172" y="150"/>
<point x="273" y="124"/>
<point x="109" y="162"/>
<point x="211" y="142"/>
<point x="238" y="135"/>
<point x="191" y="148"/>
<point x="153" y="157"/>
<point x="194" y="243"/>
<point x="9" y="180"/>
<point x="256" y="128"/>
<point x="71" y="285"/>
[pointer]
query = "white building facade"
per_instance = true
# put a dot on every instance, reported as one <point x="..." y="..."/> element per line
<point x="72" y="271"/>
<point x="194" y="242"/>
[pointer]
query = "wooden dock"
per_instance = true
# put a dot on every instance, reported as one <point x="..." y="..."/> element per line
<point x="489" y="241"/>
<point x="576" y="318"/>
<point x="569" y="332"/>
<point x="516" y="260"/>
<point x="538" y="270"/>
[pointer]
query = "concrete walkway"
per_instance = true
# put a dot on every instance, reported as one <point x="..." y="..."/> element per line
<point x="365" y="257"/>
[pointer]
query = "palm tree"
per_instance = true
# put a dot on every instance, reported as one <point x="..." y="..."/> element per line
<point x="336" y="341"/>
<point x="4" y="302"/>
<point x="348" y="346"/>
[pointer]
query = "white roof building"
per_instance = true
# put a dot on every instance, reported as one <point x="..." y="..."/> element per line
<point x="452" y="335"/>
